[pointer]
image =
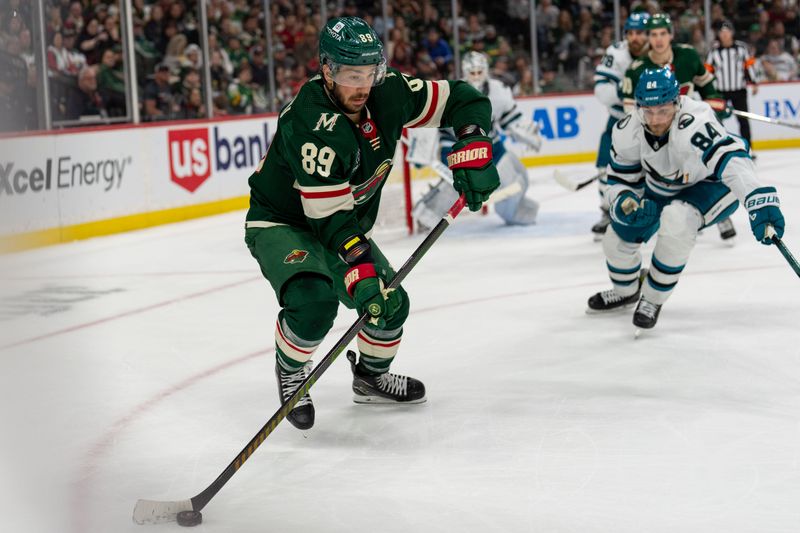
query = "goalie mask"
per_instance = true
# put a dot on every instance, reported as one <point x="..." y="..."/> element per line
<point x="353" y="52"/>
<point x="476" y="69"/>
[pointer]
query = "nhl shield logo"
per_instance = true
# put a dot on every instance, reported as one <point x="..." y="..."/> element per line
<point x="297" y="256"/>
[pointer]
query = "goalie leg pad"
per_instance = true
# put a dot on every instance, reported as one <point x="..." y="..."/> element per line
<point x="430" y="209"/>
<point x="624" y="261"/>
<point x="517" y="209"/>
<point x="677" y="235"/>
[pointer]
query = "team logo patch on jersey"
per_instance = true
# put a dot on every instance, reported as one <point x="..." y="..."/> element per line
<point x="297" y="256"/>
<point x="366" y="190"/>
<point x="685" y="120"/>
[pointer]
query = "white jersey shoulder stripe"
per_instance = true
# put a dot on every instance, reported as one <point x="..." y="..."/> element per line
<point x="431" y="114"/>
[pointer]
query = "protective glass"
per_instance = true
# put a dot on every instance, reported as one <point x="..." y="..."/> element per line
<point x="358" y="75"/>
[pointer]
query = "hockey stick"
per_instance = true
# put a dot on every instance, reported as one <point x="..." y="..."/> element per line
<point x="768" y="120"/>
<point x="156" y="512"/>
<point x="573" y="186"/>
<point x="784" y="250"/>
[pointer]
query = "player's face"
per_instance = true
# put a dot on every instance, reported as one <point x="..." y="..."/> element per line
<point x="660" y="39"/>
<point x="352" y="95"/>
<point x="636" y="41"/>
<point x="476" y="76"/>
<point x="658" y="118"/>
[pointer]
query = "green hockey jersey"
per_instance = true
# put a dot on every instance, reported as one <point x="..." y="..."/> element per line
<point x="688" y="68"/>
<point x="325" y="173"/>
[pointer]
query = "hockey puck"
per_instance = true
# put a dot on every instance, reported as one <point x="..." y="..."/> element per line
<point x="190" y="518"/>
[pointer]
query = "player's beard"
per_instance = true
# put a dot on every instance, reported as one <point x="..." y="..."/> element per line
<point x="353" y="103"/>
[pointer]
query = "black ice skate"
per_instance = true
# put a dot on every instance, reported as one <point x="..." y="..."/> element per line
<point x="302" y="416"/>
<point x="599" y="229"/>
<point x="610" y="300"/>
<point x="646" y="314"/>
<point x="384" y="388"/>
<point x="726" y="229"/>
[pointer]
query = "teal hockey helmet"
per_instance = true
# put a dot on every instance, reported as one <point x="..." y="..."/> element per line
<point x="347" y="43"/>
<point x="637" y="21"/>
<point x="656" y="86"/>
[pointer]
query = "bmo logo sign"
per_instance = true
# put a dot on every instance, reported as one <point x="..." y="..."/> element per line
<point x="196" y="153"/>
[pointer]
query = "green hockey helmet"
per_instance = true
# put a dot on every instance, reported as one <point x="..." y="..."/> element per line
<point x="353" y="52"/>
<point x="659" y="20"/>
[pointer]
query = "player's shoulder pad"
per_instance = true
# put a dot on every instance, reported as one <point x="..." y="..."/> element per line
<point x="498" y="87"/>
<point x="626" y="133"/>
<point x="684" y="51"/>
<point x="693" y="117"/>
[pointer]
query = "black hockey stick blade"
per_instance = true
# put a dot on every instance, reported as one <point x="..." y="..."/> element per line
<point x="563" y="180"/>
<point x="157" y="512"/>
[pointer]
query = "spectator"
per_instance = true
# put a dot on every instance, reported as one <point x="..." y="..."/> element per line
<point x="154" y="28"/>
<point x="74" y="19"/>
<point x="236" y="53"/>
<point x="159" y="101"/>
<point x="525" y="87"/>
<point x="306" y="47"/>
<point x="403" y="59"/>
<point x="788" y="42"/>
<point x="259" y="67"/>
<point x="281" y="59"/>
<point x="778" y="64"/>
<point x="111" y="83"/>
<point x="214" y="46"/>
<point x="58" y="58"/>
<point x="219" y="75"/>
<point x="438" y="49"/>
<point x="192" y="58"/>
<point x="193" y="107"/>
<point x="240" y="92"/>
<point x="91" y="41"/>
<point x="87" y="100"/>
<point x="174" y="56"/>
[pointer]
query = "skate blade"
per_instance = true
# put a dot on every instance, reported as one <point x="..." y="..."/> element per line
<point x="637" y="333"/>
<point x="379" y="400"/>
<point x="595" y="312"/>
<point x="597" y="237"/>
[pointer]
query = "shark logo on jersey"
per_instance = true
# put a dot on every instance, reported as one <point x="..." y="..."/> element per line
<point x="326" y="122"/>
<point x="674" y="178"/>
<point x="367" y="190"/>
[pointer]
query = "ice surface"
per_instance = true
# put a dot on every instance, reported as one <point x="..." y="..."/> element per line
<point x="138" y="365"/>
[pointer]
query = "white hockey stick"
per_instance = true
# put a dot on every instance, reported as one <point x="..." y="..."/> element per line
<point x="444" y="172"/>
<point x="563" y="180"/>
<point x="776" y="121"/>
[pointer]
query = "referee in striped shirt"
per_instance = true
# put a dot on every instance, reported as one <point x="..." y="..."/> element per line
<point x="732" y="65"/>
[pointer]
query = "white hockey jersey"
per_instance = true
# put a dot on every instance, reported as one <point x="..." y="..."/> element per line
<point x="608" y="76"/>
<point x="697" y="147"/>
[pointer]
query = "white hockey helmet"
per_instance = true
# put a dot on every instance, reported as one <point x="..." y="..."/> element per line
<point x="475" y="66"/>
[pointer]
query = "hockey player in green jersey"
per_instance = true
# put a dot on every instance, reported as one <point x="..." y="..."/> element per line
<point x="690" y="72"/>
<point x="314" y="199"/>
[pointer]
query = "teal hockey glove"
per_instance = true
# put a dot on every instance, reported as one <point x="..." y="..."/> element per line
<point x="474" y="173"/>
<point x="763" y="208"/>
<point x="366" y="289"/>
<point x="628" y="210"/>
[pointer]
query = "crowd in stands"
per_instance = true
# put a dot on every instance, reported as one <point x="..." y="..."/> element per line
<point x="87" y="79"/>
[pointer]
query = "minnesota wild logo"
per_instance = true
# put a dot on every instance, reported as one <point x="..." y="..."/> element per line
<point x="366" y="190"/>
<point x="297" y="256"/>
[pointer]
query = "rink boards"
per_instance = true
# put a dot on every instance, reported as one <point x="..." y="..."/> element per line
<point x="59" y="187"/>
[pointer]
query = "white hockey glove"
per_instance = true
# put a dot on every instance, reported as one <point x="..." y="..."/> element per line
<point x="526" y="132"/>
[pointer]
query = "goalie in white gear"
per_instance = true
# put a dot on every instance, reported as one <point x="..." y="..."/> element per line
<point x="674" y="170"/>
<point x="507" y="120"/>
<point x="608" y="78"/>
